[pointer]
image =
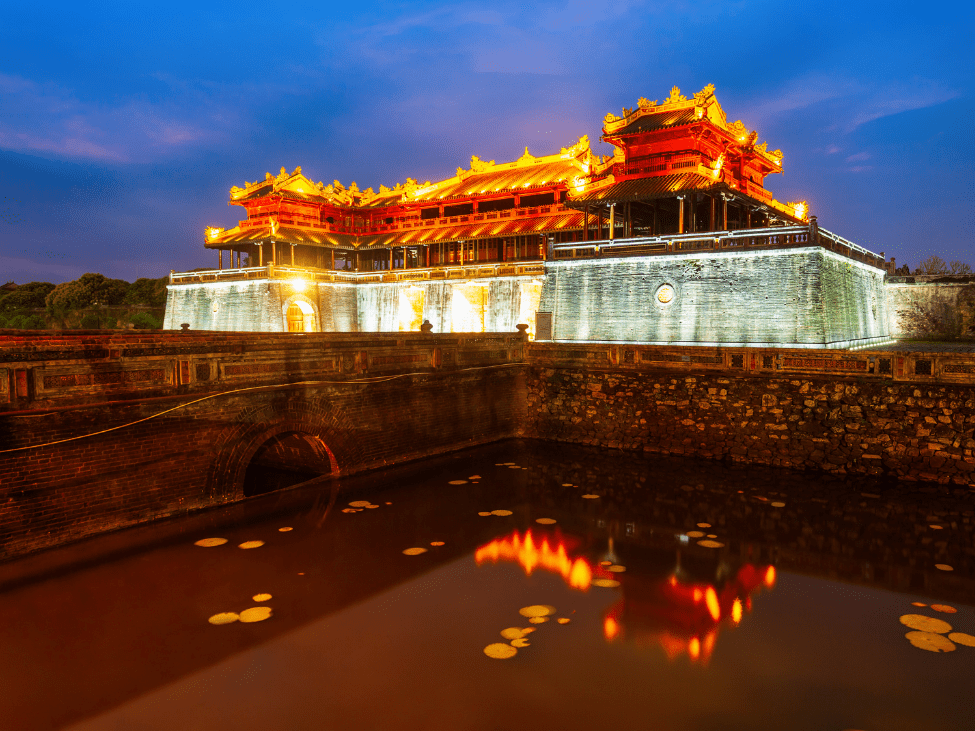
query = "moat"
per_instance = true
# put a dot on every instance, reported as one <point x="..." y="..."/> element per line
<point x="698" y="596"/>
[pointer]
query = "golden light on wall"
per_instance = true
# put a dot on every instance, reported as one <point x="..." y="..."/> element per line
<point x="411" y="300"/>
<point x="467" y="304"/>
<point x="531" y="299"/>
<point x="300" y="317"/>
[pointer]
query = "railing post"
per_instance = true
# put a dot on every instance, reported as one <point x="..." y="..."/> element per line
<point x="813" y="230"/>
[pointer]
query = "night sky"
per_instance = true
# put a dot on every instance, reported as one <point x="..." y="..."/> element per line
<point x="122" y="128"/>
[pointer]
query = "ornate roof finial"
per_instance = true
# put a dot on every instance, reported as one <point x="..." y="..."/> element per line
<point x="675" y="96"/>
<point x="704" y="94"/>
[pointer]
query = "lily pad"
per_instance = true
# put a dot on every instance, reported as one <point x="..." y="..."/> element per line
<point x="210" y="542"/>
<point x="255" y="614"/>
<point x="962" y="638"/>
<point x="500" y="650"/>
<point x="224" y="618"/>
<point x="930" y="641"/>
<point x="924" y="623"/>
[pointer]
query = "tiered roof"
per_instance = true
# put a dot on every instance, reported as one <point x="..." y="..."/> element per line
<point x="662" y="149"/>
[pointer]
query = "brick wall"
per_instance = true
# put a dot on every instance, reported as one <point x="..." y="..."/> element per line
<point x="225" y="396"/>
<point x="197" y="456"/>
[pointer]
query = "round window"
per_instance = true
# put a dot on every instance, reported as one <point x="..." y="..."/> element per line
<point x="665" y="294"/>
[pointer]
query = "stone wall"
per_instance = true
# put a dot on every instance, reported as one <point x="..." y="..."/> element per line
<point x="803" y="296"/>
<point x="932" y="307"/>
<point x="488" y="304"/>
<point x="840" y="423"/>
<point x="259" y="305"/>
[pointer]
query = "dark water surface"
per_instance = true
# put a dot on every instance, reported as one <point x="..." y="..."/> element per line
<point x="114" y="633"/>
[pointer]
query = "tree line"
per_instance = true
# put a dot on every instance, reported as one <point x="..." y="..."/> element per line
<point x="936" y="265"/>
<point x="91" y="302"/>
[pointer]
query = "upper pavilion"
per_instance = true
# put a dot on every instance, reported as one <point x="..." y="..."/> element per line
<point x="678" y="167"/>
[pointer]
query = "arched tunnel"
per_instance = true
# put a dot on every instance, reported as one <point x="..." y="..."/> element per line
<point x="286" y="459"/>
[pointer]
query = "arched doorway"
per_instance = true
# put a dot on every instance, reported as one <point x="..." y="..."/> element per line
<point x="301" y="317"/>
<point x="284" y="460"/>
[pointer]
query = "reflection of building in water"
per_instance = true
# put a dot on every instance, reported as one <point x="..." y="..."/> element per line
<point x="672" y="238"/>
<point x="677" y="605"/>
<point x="683" y="610"/>
<point x="548" y="553"/>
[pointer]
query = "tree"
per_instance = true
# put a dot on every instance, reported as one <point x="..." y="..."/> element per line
<point x="959" y="267"/>
<point x="932" y="265"/>
<point x="87" y="290"/>
<point x="145" y="321"/>
<point x="26" y="296"/>
<point x="144" y="291"/>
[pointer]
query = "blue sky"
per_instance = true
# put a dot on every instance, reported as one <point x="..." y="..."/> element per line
<point x="124" y="125"/>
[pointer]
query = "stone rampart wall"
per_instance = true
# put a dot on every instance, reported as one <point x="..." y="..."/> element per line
<point x="932" y="307"/>
<point x="803" y="296"/>
<point x="833" y="413"/>
<point x="259" y="305"/>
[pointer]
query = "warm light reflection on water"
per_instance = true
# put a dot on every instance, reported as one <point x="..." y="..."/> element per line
<point x="682" y="617"/>
<point x="524" y="551"/>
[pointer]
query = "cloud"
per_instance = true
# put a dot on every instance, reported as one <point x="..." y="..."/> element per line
<point x="858" y="157"/>
<point x="52" y="120"/>
<point x="853" y="102"/>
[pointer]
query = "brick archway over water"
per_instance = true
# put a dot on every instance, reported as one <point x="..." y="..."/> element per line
<point x="257" y="425"/>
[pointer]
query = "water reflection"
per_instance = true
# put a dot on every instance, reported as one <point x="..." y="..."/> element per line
<point x="550" y="554"/>
<point x="679" y="614"/>
<point x="829" y="559"/>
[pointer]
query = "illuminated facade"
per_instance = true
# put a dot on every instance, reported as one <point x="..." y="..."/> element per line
<point x="544" y="240"/>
